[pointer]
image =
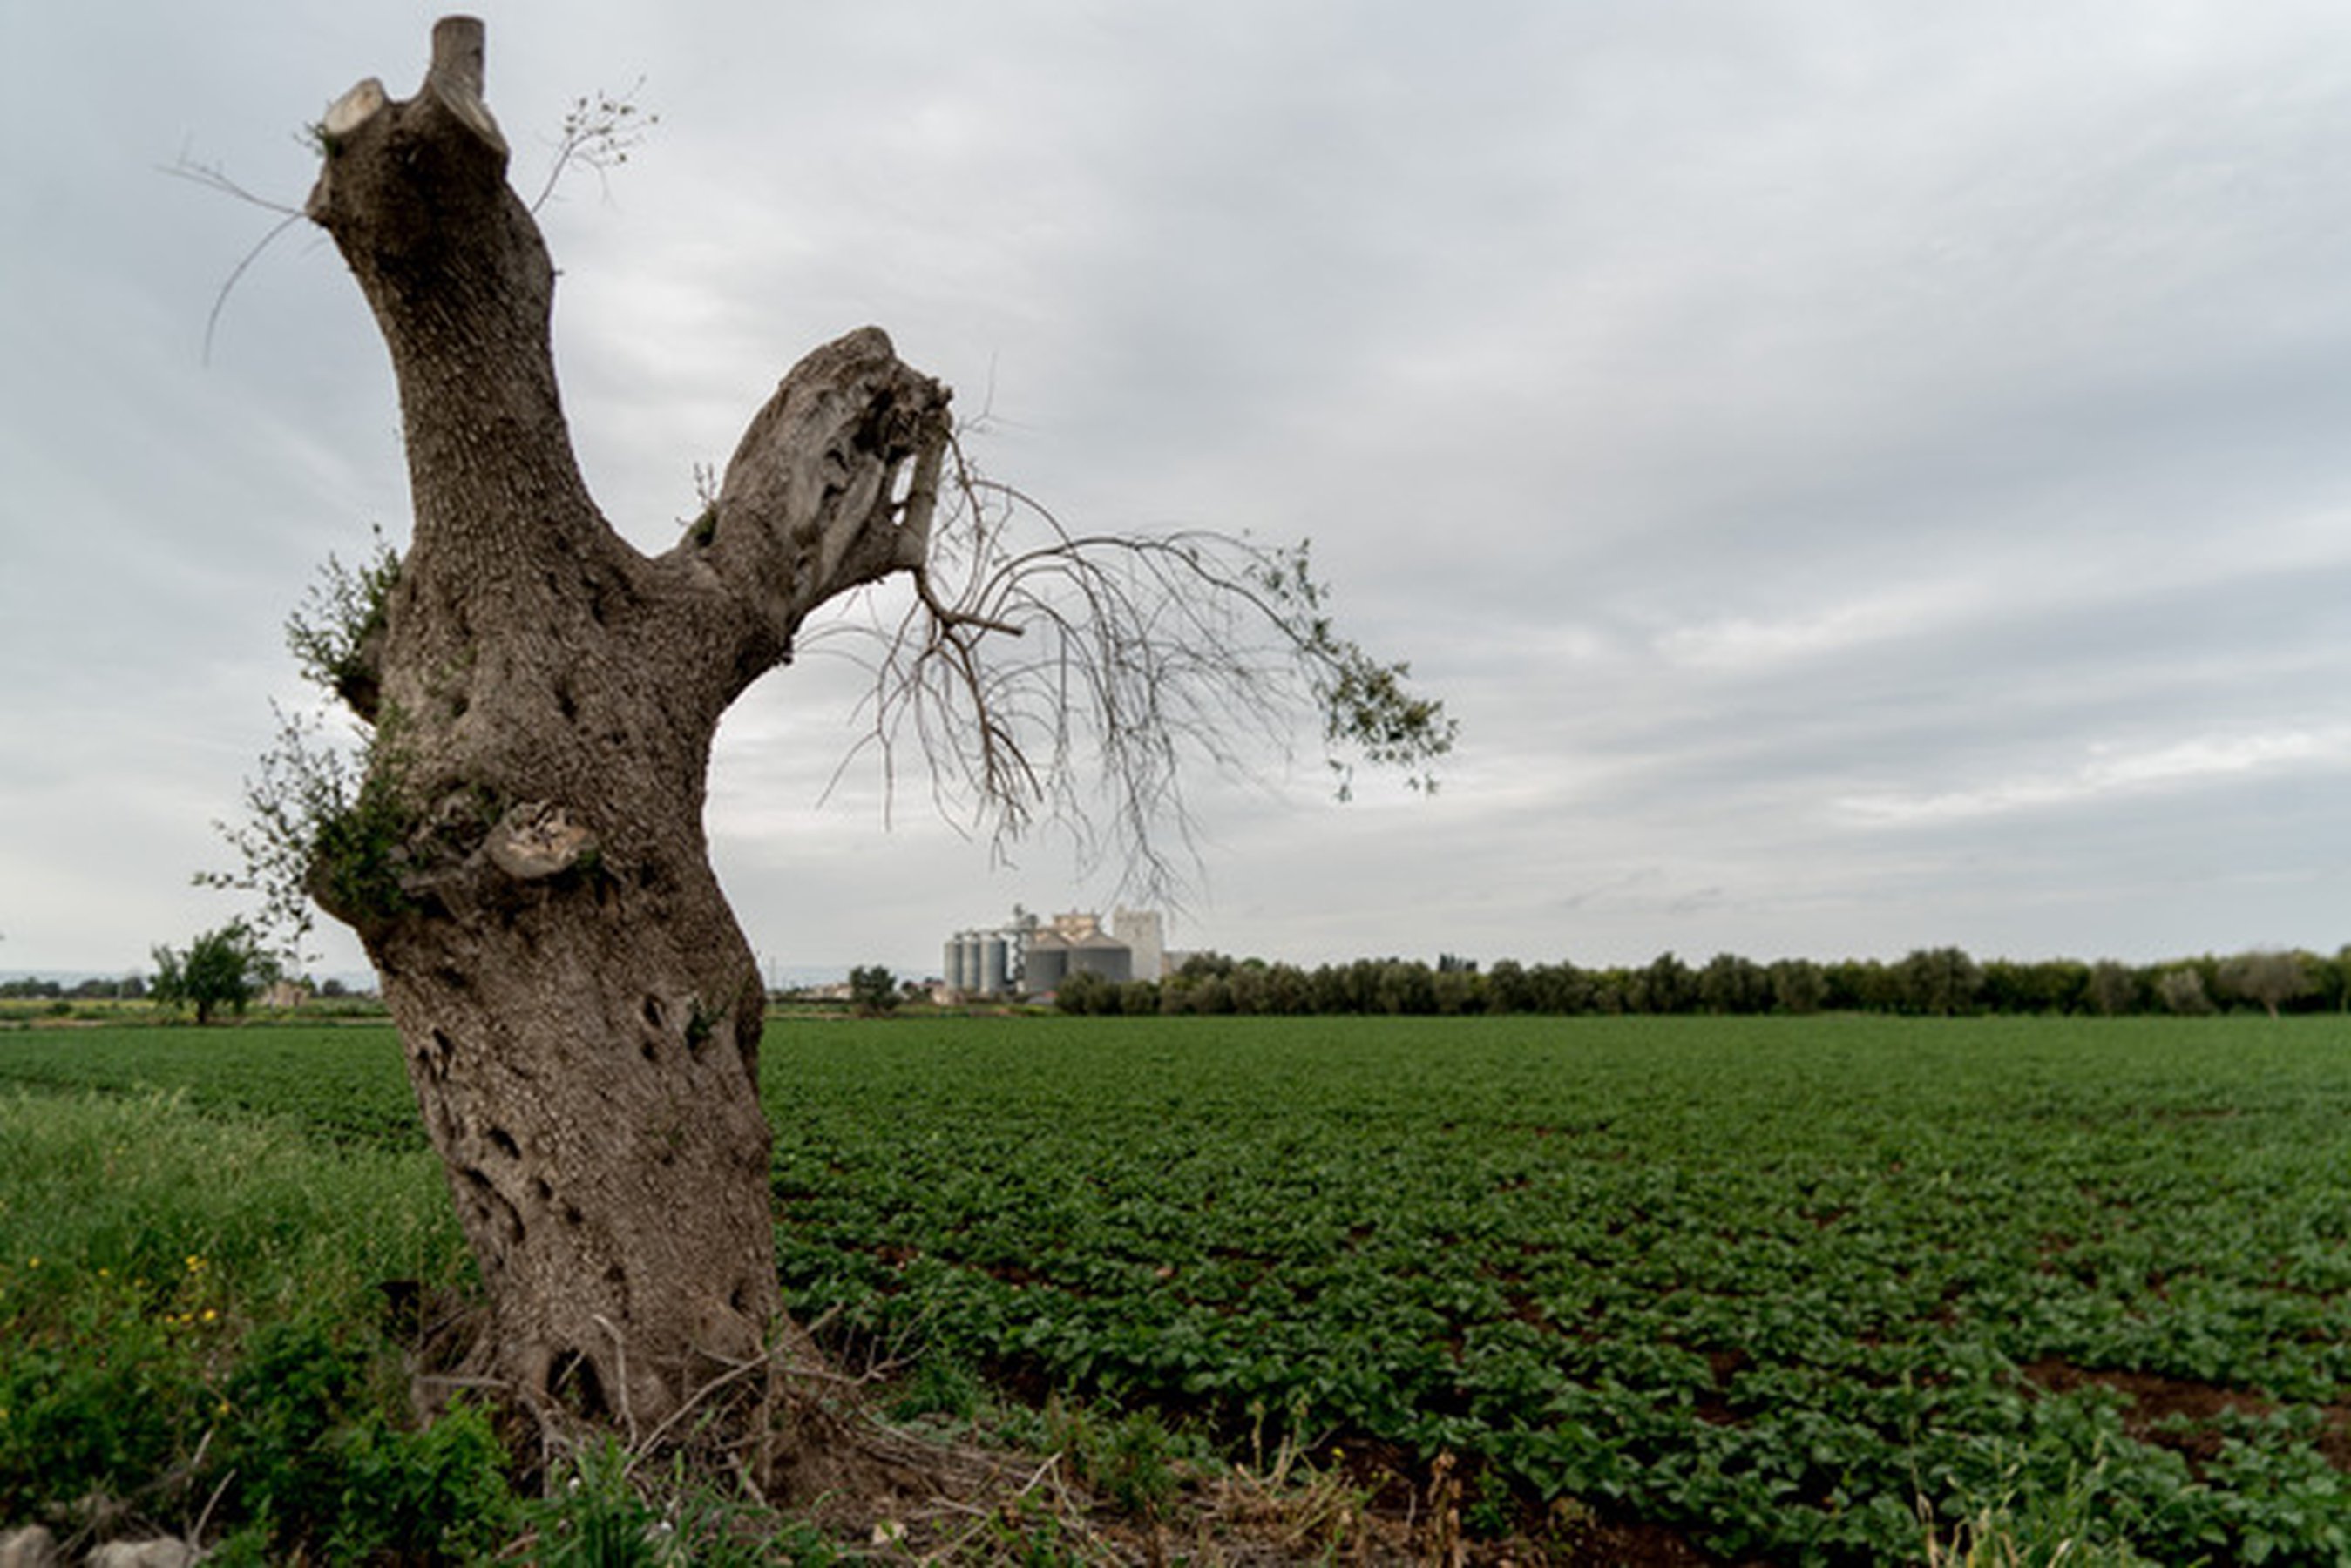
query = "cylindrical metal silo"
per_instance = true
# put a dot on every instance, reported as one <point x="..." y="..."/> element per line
<point x="992" y="964"/>
<point x="1101" y="955"/>
<point x="1049" y="964"/>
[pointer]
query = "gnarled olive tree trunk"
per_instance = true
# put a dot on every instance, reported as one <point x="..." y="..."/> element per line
<point x="527" y="864"/>
<point x="525" y="858"/>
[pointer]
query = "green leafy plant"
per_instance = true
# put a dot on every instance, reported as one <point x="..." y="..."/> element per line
<point x="1129" y="1457"/>
<point x="188" y="1329"/>
<point x="98" y="1400"/>
<point x="604" y="1509"/>
<point x="327" y="824"/>
<point x="337" y="634"/>
<point x="323" y="824"/>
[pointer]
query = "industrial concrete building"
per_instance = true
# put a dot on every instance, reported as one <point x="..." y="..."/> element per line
<point x="1030" y="958"/>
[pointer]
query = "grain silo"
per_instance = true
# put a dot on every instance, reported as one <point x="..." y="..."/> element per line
<point x="1049" y="963"/>
<point x="1098" y="954"/>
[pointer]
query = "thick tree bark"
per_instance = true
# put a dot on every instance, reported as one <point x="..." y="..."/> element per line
<point x="527" y="866"/>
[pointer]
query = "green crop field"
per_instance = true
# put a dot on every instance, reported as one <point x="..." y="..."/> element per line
<point x="342" y="1081"/>
<point x="1780" y="1283"/>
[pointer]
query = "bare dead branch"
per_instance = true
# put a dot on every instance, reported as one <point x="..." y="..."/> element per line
<point x="1139" y="654"/>
<point x="213" y="177"/>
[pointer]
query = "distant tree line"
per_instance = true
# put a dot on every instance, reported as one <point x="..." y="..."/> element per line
<point x="130" y="988"/>
<point x="1928" y="982"/>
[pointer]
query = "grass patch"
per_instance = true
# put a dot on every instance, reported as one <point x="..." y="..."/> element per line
<point x="190" y="1339"/>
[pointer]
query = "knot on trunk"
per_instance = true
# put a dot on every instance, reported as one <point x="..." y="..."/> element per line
<point x="537" y="840"/>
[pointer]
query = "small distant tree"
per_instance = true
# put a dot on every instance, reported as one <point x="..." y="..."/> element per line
<point x="2182" y="991"/>
<point x="1455" y="991"/>
<point x="226" y="967"/>
<point x="873" y="990"/>
<point x="1564" y="987"/>
<point x="2043" y="985"/>
<point x="1086" y="993"/>
<point x="1858" y="985"/>
<point x="1508" y="987"/>
<point x="1405" y="989"/>
<point x="2270" y="977"/>
<point x="2114" y="988"/>
<point x="1938" y="981"/>
<point x="1798" y="986"/>
<point x="1248" y="986"/>
<point x="1211" y="993"/>
<point x="1730" y="984"/>
<point x="1667" y="985"/>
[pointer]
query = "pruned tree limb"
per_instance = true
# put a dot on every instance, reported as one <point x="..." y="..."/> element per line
<point x="455" y="78"/>
<point x="811" y="507"/>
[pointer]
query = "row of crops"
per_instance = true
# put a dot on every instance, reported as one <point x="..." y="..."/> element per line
<point x="1778" y="1282"/>
<point x="1782" y="1282"/>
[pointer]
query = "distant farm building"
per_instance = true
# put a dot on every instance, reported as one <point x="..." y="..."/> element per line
<point x="1031" y="957"/>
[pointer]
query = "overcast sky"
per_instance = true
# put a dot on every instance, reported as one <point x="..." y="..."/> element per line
<point x="1865" y="476"/>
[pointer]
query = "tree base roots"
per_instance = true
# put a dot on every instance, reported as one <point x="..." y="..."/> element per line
<point x="798" y="1443"/>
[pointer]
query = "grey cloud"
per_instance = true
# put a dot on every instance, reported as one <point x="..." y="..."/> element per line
<point x="1735" y="410"/>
